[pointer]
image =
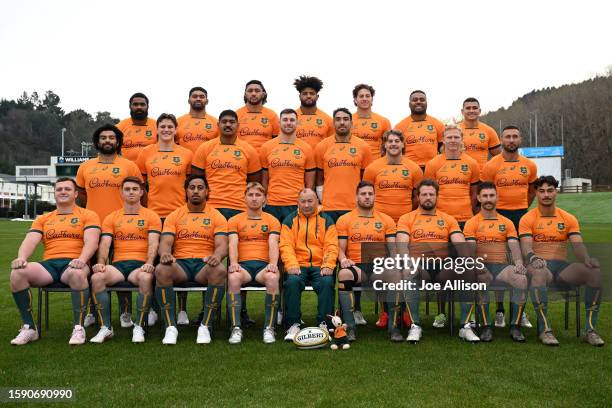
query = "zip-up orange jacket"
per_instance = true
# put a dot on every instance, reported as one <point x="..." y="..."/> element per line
<point x="309" y="241"/>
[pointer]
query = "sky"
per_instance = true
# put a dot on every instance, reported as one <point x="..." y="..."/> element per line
<point x="95" y="54"/>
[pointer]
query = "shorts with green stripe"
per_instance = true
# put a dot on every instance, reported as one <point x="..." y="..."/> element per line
<point x="191" y="266"/>
<point x="253" y="268"/>
<point x="126" y="267"/>
<point x="56" y="267"/>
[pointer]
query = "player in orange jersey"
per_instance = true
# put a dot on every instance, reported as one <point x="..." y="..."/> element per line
<point x="192" y="248"/>
<point x="362" y="225"/>
<point x="165" y="165"/>
<point x="258" y="124"/>
<point x="368" y="125"/>
<point x="70" y="236"/>
<point x="458" y="176"/>
<point x="423" y="132"/>
<point x="394" y="177"/>
<point x="544" y="233"/>
<point x="479" y="139"/>
<point x="313" y="124"/>
<point x="513" y="175"/>
<point x="253" y="257"/>
<point x="340" y="160"/>
<point x="134" y="233"/>
<point x="138" y="130"/>
<point x="490" y="236"/>
<point x="428" y="231"/>
<point x="288" y="166"/>
<point x="197" y="126"/>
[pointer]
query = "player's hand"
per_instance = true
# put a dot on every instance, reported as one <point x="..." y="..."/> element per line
<point x="346" y="263"/>
<point x="19" y="263"/>
<point x="233" y="268"/>
<point x="538" y="263"/>
<point x="591" y="263"/>
<point x="212" y="260"/>
<point x="326" y="271"/>
<point x="293" y="271"/>
<point x="520" y="268"/>
<point x="76" y="264"/>
<point x="98" y="268"/>
<point x="272" y="268"/>
<point x="147" y="268"/>
<point x="166" y="259"/>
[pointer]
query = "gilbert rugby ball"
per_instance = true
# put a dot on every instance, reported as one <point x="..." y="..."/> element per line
<point x="311" y="338"/>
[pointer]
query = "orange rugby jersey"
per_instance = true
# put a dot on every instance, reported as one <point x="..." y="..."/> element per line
<point x="226" y="167"/>
<point x="512" y="179"/>
<point x="429" y="234"/>
<point x="256" y="128"/>
<point x="130" y="233"/>
<point x="491" y="235"/>
<point x="422" y="138"/>
<point x="63" y="234"/>
<point x="102" y="182"/>
<point x="286" y="164"/>
<point x="341" y="163"/>
<point x="549" y="233"/>
<point x="314" y="128"/>
<point x="192" y="132"/>
<point x="194" y="232"/>
<point x="478" y="141"/>
<point x="371" y="130"/>
<point x="136" y="137"/>
<point x="455" y="176"/>
<point x="393" y="185"/>
<point x="253" y="234"/>
<point x="357" y="229"/>
<point x="165" y="173"/>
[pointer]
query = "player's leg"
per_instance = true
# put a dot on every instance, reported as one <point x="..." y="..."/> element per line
<point x="214" y="277"/>
<point x="33" y="275"/>
<point x="101" y="298"/>
<point x="412" y="299"/>
<point x="77" y="279"/>
<point x="144" y="281"/>
<point x="347" y="278"/>
<point x="518" y="297"/>
<point x="166" y="276"/>
<point x="540" y="278"/>
<point x="235" y="281"/>
<point x="294" y="285"/>
<point x="324" y="288"/>
<point x="271" y="281"/>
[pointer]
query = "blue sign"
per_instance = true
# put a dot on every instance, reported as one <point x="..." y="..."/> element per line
<point x="547" y="151"/>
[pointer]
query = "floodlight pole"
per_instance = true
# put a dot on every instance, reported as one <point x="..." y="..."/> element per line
<point x="63" y="131"/>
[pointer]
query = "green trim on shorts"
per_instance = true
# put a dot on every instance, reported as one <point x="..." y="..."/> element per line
<point x="191" y="266"/>
<point x="56" y="267"/>
<point x="253" y="268"/>
<point x="126" y="267"/>
<point x="556" y="266"/>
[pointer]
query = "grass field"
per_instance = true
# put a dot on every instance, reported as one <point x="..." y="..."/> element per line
<point x="440" y="371"/>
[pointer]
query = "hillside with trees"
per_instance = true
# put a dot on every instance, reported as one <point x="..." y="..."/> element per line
<point x="580" y="114"/>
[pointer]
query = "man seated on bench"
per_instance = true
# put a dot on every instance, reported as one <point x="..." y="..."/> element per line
<point x="70" y="236"/>
<point x="253" y="257"/>
<point x="193" y="245"/>
<point x="134" y="231"/>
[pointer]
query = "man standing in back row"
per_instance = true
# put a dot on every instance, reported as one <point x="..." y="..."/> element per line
<point x="138" y="130"/>
<point x="368" y="125"/>
<point x="313" y="124"/>
<point x="197" y="126"/>
<point x="258" y="124"/>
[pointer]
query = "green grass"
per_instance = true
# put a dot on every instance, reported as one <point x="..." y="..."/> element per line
<point x="441" y="371"/>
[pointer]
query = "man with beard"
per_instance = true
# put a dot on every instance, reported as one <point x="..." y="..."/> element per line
<point x="70" y="237"/>
<point x="423" y="132"/>
<point x="479" y="138"/>
<point x="513" y="175"/>
<point x="428" y="231"/>
<point x="362" y="225"/>
<point x="488" y="233"/>
<point x="544" y="233"/>
<point x="368" y="125"/>
<point x="258" y="124"/>
<point x="313" y="124"/>
<point x="99" y="185"/>
<point x="196" y="127"/>
<point x="192" y="247"/>
<point x="341" y="160"/>
<point x="138" y="130"/>
<point x="288" y="166"/>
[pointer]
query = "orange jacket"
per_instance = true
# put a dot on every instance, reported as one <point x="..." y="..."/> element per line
<point x="309" y="241"/>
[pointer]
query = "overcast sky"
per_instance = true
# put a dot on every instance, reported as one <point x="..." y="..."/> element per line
<point x="95" y="54"/>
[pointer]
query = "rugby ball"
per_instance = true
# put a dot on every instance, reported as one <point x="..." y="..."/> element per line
<point x="311" y="338"/>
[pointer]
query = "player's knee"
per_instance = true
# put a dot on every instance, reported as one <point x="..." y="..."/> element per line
<point x="345" y="274"/>
<point x="327" y="282"/>
<point x="145" y="278"/>
<point x="78" y="278"/>
<point x="17" y="275"/>
<point x="162" y="272"/>
<point x="292" y="282"/>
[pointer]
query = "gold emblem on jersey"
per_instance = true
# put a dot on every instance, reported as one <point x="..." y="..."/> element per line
<point x="502" y="228"/>
<point x="561" y="226"/>
<point x="264" y="228"/>
<point x="206" y="221"/>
